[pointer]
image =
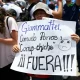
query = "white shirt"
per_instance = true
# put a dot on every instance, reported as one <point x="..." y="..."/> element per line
<point x="6" y="53"/>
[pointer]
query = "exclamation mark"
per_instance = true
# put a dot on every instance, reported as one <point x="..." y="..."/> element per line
<point x="64" y="61"/>
<point x="60" y="37"/>
<point x="72" y="57"/>
<point x="67" y="62"/>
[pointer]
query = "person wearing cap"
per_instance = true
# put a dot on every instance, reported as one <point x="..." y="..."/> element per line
<point x="52" y="13"/>
<point x="41" y="10"/>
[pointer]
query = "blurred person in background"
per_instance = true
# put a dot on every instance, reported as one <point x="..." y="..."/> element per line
<point x="51" y="5"/>
<point x="67" y="4"/>
<point x="9" y="4"/>
<point x="12" y="12"/>
<point x="72" y="13"/>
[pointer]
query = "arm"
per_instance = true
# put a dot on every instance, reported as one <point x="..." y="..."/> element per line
<point x="12" y="40"/>
<point x="13" y="28"/>
<point x="58" y="14"/>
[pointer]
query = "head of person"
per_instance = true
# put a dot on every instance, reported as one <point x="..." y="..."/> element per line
<point x="68" y="2"/>
<point x="13" y="13"/>
<point x="3" y="14"/>
<point x="41" y="10"/>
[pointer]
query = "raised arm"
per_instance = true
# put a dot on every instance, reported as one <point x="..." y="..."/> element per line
<point x="58" y="14"/>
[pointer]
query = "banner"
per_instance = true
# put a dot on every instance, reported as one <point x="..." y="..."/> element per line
<point x="46" y="47"/>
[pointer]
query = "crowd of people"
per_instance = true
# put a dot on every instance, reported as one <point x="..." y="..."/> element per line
<point x="12" y="11"/>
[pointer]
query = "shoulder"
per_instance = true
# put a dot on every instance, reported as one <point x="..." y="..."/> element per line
<point x="11" y="18"/>
<point x="68" y="12"/>
<point x="69" y="8"/>
<point x="11" y="21"/>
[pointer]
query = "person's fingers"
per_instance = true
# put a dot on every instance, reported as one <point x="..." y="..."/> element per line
<point x="76" y="38"/>
<point x="74" y="35"/>
<point x="15" y="49"/>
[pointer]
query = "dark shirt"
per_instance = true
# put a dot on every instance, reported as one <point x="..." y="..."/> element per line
<point x="72" y="13"/>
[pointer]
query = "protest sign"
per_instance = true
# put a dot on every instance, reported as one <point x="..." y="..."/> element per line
<point x="46" y="47"/>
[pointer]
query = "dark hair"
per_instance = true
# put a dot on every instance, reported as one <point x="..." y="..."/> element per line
<point x="51" y="6"/>
<point x="12" y="12"/>
<point x="3" y="14"/>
